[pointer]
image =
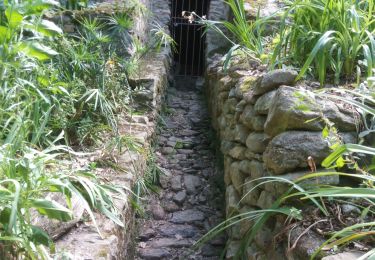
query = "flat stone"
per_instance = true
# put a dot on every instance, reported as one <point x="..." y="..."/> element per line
<point x="275" y="79"/>
<point x="170" y="242"/>
<point x="191" y="183"/>
<point x="264" y="103"/>
<point x="296" y="109"/>
<point x="180" y="197"/>
<point x="257" y="142"/>
<point x="187" y="216"/>
<point x="172" y="230"/>
<point x="154" y="253"/>
<point x="176" y="183"/>
<point x="167" y="150"/>
<point x="237" y="152"/>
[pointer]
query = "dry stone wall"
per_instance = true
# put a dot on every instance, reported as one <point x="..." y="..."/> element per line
<point x="264" y="132"/>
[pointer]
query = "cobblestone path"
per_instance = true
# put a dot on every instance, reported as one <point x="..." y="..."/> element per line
<point x="190" y="201"/>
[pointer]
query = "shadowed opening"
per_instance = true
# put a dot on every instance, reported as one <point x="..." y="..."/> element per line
<point x="189" y="35"/>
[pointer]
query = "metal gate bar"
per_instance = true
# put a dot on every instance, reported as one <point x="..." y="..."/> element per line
<point x="189" y="36"/>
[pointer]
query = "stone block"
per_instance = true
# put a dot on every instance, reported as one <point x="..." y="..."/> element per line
<point x="274" y="79"/>
<point x="232" y="200"/>
<point x="266" y="199"/>
<point x="241" y="133"/>
<point x="250" y="196"/>
<point x="264" y="102"/>
<point x="290" y="150"/>
<point x="237" y="152"/>
<point x="294" y="109"/>
<point x="257" y="142"/>
<point x="236" y="176"/>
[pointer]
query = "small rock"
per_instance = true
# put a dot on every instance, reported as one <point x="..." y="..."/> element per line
<point x="154" y="253"/>
<point x="275" y="79"/>
<point x="176" y="183"/>
<point x="257" y="142"/>
<point x="180" y="197"/>
<point x="187" y="216"/>
<point x="170" y="242"/>
<point x="147" y="234"/>
<point x="158" y="212"/>
<point x="172" y="230"/>
<point x="170" y="206"/>
<point x="191" y="183"/>
<point x="347" y="209"/>
<point x="167" y="150"/>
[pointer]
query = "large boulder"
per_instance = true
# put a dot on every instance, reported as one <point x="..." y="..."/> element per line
<point x="290" y="150"/>
<point x="294" y="109"/>
<point x="274" y="79"/>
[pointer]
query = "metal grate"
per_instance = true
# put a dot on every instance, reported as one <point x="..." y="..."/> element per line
<point x="189" y="36"/>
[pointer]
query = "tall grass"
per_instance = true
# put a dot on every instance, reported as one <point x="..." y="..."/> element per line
<point x="327" y="36"/>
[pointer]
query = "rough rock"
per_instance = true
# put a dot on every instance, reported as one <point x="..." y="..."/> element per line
<point x="290" y="150"/>
<point x="274" y="79"/>
<point x="241" y="133"/>
<point x="257" y="142"/>
<point x="278" y="188"/>
<point x="172" y="230"/>
<point x="232" y="200"/>
<point x="237" y="152"/>
<point x="245" y="167"/>
<point x="237" y="177"/>
<point x="191" y="183"/>
<point x="232" y="249"/>
<point x="250" y="195"/>
<point x="176" y="183"/>
<point x="154" y="253"/>
<point x="158" y="212"/>
<point x="257" y="169"/>
<point x="187" y="216"/>
<point x="307" y="244"/>
<point x="180" y="197"/>
<point x="264" y="102"/>
<point x="294" y="109"/>
<point x="265" y="200"/>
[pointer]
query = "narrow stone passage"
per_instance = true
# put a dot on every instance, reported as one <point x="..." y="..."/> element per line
<point x="190" y="201"/>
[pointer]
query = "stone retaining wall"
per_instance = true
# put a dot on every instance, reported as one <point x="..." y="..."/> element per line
<point x="264" y="131"/>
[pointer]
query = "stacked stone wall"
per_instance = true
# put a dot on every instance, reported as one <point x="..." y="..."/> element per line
<point x="264" y="131"/>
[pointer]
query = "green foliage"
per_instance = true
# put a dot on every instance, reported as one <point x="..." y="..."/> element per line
<point x="327" y="36"/>
<point x="55" y="89"/>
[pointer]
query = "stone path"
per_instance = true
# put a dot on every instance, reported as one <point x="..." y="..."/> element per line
<point x="189" y="202"/>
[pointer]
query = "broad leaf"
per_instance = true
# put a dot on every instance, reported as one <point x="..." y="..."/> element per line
<point x="37" y="50"/>
<point x="52" y="209"/>
<point x="14" y="17"/>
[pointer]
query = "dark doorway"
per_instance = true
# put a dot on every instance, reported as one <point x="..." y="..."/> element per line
<point x="189" y="36"/>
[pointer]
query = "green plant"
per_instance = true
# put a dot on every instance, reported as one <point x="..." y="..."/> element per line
<point x="327" y="36"/>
